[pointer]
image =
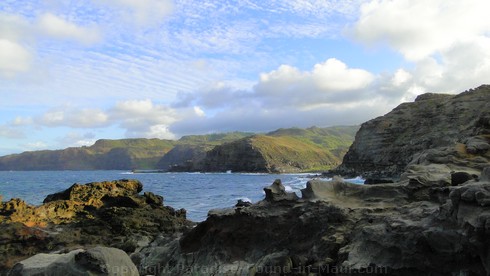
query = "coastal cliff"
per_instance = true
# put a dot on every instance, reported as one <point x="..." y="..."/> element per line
<point x="384" y="146"/>
<point x="280" y="151"/>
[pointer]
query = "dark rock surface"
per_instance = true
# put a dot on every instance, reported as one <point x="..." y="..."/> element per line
<point x="110" y="213"/>
<point x="448" y="124"/>
<point x="405" y="228"/>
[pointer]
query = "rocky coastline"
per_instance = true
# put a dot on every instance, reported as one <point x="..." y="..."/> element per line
<point x="430" y="215"/>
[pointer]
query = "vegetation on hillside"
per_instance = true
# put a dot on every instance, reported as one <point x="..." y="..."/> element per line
<point x="292" y="149"/>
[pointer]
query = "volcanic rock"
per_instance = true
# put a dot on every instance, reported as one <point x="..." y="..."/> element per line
<point x="110" y="213"/>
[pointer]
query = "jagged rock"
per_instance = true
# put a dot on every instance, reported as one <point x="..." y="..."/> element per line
<point x="277" y="192"/>
<point x="110" y="213"/>
<point x="95" y="261"/>
<point x="92" y="193"/>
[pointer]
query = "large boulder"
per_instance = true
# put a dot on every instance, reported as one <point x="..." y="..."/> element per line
<point x="95" y="261"/>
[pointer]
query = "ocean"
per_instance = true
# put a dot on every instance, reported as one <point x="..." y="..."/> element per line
<point x="196" y="192"/>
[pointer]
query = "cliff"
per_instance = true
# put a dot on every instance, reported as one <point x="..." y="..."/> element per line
<point x="384" y="146"/>
<point x="283" y="150"/>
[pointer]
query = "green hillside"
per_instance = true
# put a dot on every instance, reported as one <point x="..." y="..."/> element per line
<point x="283" y="150"/>
<point x="280" y="151"/>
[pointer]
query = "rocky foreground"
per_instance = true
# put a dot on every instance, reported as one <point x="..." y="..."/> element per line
<point x="432" y="219"/>
<point x="111" y="214"/>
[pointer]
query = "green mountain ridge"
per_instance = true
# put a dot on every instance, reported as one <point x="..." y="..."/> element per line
<point x="283" y="150"/>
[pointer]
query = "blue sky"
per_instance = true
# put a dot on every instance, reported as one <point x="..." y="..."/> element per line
<point x="72" y="72"/>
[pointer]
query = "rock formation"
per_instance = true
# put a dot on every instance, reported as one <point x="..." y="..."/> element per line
<point x="110" y="213"/>
<point x="455" y="128"/>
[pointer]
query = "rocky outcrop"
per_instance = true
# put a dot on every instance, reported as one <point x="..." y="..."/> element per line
<point x="455" y="127"/>
<point x="94" y="261"/>
<point x="110" y="213"/>
<point x="405" y="228"/>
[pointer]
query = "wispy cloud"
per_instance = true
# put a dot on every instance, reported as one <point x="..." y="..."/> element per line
<point x="57" y="27"/>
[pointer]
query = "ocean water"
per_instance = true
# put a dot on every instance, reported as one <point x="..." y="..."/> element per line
<point x="196" y="192"/>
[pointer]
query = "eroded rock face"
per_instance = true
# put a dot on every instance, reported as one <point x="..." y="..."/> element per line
<point x="384" y="146"/>
<point x="110" y="213"/>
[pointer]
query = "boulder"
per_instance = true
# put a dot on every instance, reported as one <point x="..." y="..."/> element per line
<point x="277" y="192"/>
<point x="95" y="261"/>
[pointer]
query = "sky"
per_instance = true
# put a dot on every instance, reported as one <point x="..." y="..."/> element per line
<point x="74" y="71"/>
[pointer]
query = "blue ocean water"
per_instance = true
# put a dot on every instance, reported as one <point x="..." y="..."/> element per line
<point x="196" y="192"/>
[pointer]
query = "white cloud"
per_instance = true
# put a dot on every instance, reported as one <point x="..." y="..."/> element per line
<point x="333" y="75"/>
<point x="400" y="77"/>
<point x="14" y="58"/>
<point x="74" y="117"/>
<point x="142" y="118"/>
<point x="59" y="28"/>
<point x="419" y="29"/>
<point x="329" y="82"/>
<point x="199" y="112"/>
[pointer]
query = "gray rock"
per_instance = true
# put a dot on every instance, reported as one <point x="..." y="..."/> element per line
<point x="94" y="261"/>
<point x="277" y="192"/>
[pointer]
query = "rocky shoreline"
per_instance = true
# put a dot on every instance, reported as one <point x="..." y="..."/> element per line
<point x="426" y="212"/>
<point x="110" y="214"/>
